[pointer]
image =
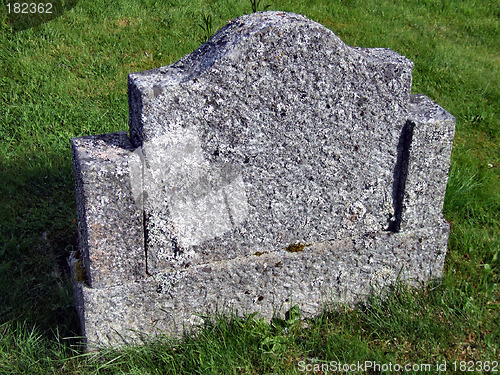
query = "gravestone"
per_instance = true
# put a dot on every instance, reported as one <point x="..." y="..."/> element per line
<point x="273" y="166"/>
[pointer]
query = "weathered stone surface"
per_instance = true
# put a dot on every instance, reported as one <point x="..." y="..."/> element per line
<point x="277" y="114"/>
<point x="108" y="185"/>
<point x="324" y="274"/>
<point x="273" y="166"/>
<point x="432" y="130"/>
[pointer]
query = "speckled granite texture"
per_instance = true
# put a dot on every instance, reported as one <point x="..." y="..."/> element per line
<point x="273" y="165"/>
<point x="307" y="126"/>
<point x="108" y="181"/>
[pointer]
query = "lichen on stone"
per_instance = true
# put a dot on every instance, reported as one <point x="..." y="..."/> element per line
<point x="80" y="273"/>
<point x="295" y="248"/>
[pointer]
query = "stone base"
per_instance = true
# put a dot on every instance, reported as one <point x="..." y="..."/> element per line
<point x="312" y="276"/>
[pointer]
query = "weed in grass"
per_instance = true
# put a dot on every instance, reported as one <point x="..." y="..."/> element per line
<point x="206" y="26"/>
<point x="255" y="6"/>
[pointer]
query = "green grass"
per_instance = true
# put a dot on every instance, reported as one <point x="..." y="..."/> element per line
<point x="68" y="78"/>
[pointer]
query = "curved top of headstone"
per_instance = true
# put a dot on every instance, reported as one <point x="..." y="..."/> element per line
<point x="241" y="35"/>
<point x="271" y="133"/>
<point x="254" y="41"/>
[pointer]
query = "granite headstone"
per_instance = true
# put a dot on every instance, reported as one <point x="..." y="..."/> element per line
<point x="275" y="165"/>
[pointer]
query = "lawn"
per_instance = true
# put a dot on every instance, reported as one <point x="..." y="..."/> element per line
<point x="68" y="78"/>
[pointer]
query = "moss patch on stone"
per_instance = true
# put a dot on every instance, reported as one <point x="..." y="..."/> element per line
<point x="295" y="248"/>
<point x="80" y="273"/>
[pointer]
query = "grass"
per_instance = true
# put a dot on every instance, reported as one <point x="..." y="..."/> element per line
<point x="68" y="78"/>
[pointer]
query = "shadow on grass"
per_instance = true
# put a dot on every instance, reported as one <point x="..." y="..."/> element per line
<point x="37" y="234"/>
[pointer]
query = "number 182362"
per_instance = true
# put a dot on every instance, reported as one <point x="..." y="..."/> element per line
<point x="27" y="8"/>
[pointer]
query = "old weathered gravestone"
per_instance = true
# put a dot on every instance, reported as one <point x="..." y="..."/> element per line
<point x="273" y="166"/>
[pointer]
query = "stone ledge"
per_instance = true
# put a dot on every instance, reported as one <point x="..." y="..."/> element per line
<point x="108" y="186"/>
<point x="328" y="273"/>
